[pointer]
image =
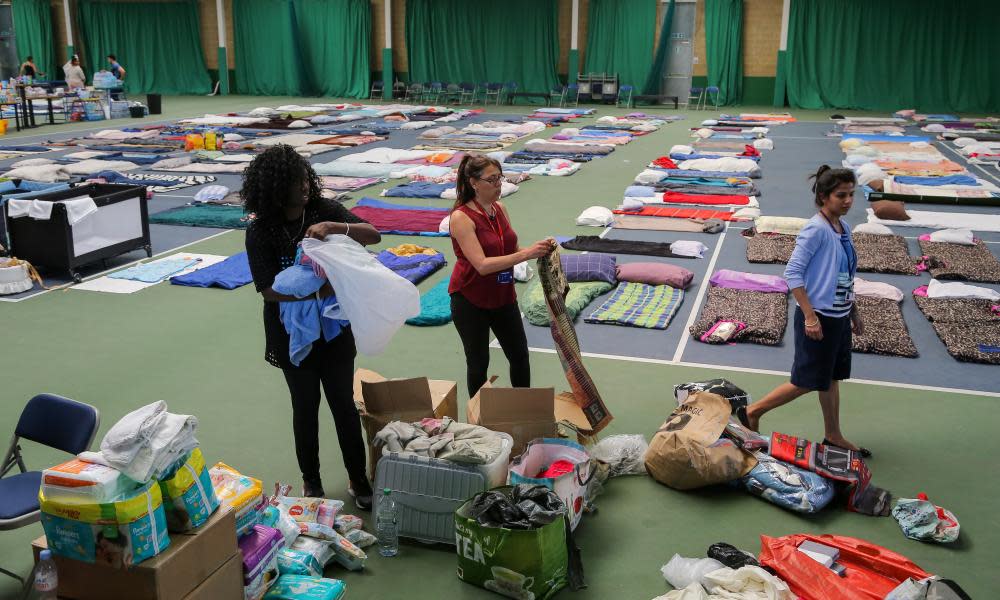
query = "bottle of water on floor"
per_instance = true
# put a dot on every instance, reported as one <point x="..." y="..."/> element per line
<point x="387" y="524"/>
<point x="46" y="578"/>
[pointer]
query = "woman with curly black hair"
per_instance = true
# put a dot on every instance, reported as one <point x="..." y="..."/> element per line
<point x="282" y="190"/>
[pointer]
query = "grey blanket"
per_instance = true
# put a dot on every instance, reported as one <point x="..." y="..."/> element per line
<point x="441" y="438"/>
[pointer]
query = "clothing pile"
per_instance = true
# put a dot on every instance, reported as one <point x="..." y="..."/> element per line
<point x="445" y="439"/>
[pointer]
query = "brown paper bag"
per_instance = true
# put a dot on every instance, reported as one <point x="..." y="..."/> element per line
<point x="689" y="451"/>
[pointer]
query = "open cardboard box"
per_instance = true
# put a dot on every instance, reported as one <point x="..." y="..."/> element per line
<point x="381" y="401"/>
<point x="196" y="566"/>
<point x="527" y="414"/>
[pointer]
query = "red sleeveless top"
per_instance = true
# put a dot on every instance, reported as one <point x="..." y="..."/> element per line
<point x="497" y="238"/>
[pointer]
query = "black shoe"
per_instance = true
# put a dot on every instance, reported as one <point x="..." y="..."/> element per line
<point x="741" y="414"/>
<point x="312" y="488"/>
<point x="362" y="500"/>
<point x="864" y="452"/>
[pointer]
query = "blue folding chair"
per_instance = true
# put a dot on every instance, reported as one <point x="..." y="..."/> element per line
<point x="698" y="95"/>
<point x="624" y="97"/>
<point x="711" y="93"/>
<point x="52" y="421"/>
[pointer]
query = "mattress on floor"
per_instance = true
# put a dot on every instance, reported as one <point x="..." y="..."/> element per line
<point x="961" y="262"/>
<point x="639" y="305"/>
<point x="765" y="314"/>
<point x="885" y="330"/>
<point x="876" y="253"/>
<point x="968" y="327"/>
<point x="203" y="215"/>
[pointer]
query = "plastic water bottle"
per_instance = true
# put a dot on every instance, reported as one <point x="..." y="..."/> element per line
<point x="387" y="525"/>
<point x="46" y="578"/>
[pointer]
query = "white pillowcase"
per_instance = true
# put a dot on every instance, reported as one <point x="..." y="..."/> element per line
<point x="873" y="228"/>
<point x="954" y="236"/>
<point x="596" y="216"/>
<point x="955" y="289"/>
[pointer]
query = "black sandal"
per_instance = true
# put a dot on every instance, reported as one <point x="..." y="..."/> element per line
<point x="864" y="452"/>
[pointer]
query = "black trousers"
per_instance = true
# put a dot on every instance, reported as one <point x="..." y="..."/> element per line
<point x="332" y="365"/>
<point x="474" y="325"/>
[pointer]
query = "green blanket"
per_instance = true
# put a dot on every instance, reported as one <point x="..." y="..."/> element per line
<point x="203" y="215"/>
<point x="435" y="306"/>
<point x="580" y="295"/>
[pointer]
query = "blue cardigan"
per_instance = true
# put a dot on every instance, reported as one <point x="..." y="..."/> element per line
<point x="815" y="262"/>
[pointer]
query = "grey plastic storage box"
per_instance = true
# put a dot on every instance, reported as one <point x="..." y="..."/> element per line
<point x="428" y="491"/>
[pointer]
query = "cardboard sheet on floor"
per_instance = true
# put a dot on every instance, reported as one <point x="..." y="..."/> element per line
<point x="128" y="286"/>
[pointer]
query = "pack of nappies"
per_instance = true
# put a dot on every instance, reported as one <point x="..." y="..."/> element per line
<point x="117" y="534"/>
<point x="304" y="587"/>
<point x="81" y="481"/>
<point x="188" y="494"/>
<point x="241" y="493"/>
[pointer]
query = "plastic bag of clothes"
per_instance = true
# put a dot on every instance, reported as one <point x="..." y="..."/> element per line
<point x="921" y="520"/>
<point x="731" y="556"/>
<point x="723" y="387"/>
<point x="788" y="486"/>
<point x="681" y="572"/>
<point x="622" y="453"/>
<point x="560" y="465"/>
<point x="688" y="451"/>
<point x="871" y="572"/>
<point x="928" y="589"/>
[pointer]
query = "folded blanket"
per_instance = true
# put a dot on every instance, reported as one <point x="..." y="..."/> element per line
<point x="414" y="267"/>
<point x="580" y="295"/>
<point x="639" y="305"/>
<point x="203" y="215"/>
<point x="155" y="271"/>
<point x="229" y="274"/>
<point x="435" y="306"/>
<point x="680" y="213"/>
<point x="968" y="327"/>
<point x="961" y="262"/>
<point x="593" y="243"/>
<point x="443" y="439"/>
<point x="403" y="221"/>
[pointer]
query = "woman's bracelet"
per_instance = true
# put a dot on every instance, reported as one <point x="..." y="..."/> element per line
<point x="348" y="231"/>
<point x="813" y="324"/>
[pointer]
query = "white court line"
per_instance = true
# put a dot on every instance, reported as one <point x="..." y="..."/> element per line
<point x="119" y="267"/>
<point x="701" y="295"/>
<point x="660" y="361"/>
<point x="966" y="161"/>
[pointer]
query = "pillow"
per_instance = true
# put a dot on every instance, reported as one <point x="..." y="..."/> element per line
<point x="890" y="210"/>
<point x="786" y="225"/>
<point x="872" y="228"/>
<point x="596" y="216"/>
<point x="594" y="266"/>
<point x="655" y="274"/>
<point x="953" y="236"/>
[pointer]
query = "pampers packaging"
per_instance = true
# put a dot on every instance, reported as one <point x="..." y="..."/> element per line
<point x="188" y="494"/>
<point x="119" y="534"/>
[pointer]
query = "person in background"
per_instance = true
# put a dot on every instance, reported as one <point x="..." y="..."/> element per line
<point x="482" y="284"/>
<point x="28" y="68"/>
<point x="281" y="189"/>
<point x="75" y="78"/>
<point x="820" y="274"/>
<point x="116" y="69"/>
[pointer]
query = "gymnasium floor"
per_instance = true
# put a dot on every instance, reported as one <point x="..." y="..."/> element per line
<point x="201" y="351"/>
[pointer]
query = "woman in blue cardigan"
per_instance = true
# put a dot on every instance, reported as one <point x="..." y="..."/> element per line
<point x="820" y="274"/>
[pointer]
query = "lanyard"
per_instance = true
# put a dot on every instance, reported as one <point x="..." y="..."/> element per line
<point x="498" y="231"/>
<point x="848" y="248"/>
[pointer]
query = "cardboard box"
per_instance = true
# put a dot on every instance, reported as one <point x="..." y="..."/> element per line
<point x="225" y="584"/>
<point x="381" y="401"/>
<point x="192" y="559"/>
<point x="526" y="413"/>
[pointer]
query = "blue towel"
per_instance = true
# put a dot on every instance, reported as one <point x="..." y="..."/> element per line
<point x="872" y="137"/>
<point x="418" y="189"/>
<point x="435" y="306"/>
<point x="303" y="320"/>
<point x="946" y="180"/>
<point x="372" y="202"/>
<point x="156" y="271"/>
<point x="414" y="268"/>
<point x="229" y="274"/>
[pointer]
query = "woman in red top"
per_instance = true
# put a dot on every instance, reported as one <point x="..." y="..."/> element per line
<point x="482" y="284"/>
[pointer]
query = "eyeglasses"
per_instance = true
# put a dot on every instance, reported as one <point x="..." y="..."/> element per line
<point x="493" y="180"/>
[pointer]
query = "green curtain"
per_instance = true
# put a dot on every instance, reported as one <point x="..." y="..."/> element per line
<point x="33" y="35"/>
<point x="655" y="77"/>
<point x="476" y="41"/>
<point x="158" y="44"/>
<point x="620" y="39"/>
<point x="724" y="48"/>
<point x="893" y="54"/>
<point x="303" y="47"/>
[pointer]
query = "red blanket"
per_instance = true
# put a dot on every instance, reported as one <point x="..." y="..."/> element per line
<point x="682" y="198"/>
<point x="416" y="221"/>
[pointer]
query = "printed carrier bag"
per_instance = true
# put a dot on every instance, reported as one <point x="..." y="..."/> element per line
<point x="117" y="534"/>
<point x="188" y="494"/>
<point x="563" y="466"/>
<point x="526" y="564"/>
<point x="689" y="451"/>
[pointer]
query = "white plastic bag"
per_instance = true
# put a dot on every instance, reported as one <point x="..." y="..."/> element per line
<point x="680" y="572"/>
<point x="374" y="299"/>
<point x="523" y="272"/>
<point x="623" y="453"/>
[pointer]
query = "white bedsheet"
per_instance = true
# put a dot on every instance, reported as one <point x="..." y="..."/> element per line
<point x="942" y="220"/>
